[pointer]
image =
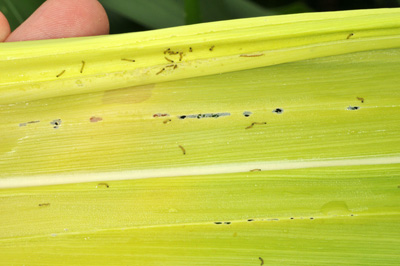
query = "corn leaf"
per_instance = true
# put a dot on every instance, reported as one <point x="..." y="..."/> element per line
<point x="267" y="141"/>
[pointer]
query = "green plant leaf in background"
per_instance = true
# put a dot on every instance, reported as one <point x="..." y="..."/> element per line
<point x="18" y="11"/>
<point x="169" y="13"/>
<point x="152" y="14"/>
<point x="224" y="10"/>
<point x="192" y="12"/>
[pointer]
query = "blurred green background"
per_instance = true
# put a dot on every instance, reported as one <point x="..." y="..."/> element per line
<point x="139" y="15"/>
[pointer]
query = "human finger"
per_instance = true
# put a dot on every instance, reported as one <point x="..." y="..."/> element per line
<point x="62" y="19"/>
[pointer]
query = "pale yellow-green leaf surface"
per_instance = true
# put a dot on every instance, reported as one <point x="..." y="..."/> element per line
<point x="319" y="216"/>
<point x="270" y="141"/>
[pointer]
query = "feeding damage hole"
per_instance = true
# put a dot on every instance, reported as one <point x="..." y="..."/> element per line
<point x="56" y="123"/>
<point x="95" y="119"/>
<point x="222" y="222"/>
<point x="251" y="55"/>
<point x="247" y="113"/>
<point x="250" y="220"/>
<point x="102" y="185"/>
<point x="30" y="122"/>
<point x="256" y="123"/>
<point x="44" y="204"/>
<point x="199" y="116"/>
<point x="352" y="108"/>
<point x="278" y="110"/>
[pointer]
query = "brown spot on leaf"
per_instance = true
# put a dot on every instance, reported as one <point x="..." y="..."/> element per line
<point x="95" y="119"/>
